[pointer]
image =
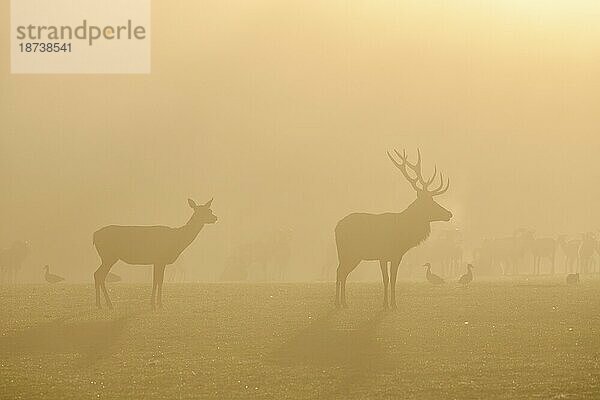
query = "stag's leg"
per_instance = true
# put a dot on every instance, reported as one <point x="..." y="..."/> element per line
<point x="337" y="289"/>
<point x="100" y="283"/>
<point x="394" y="274"/>
<point x="344" y="268"/>
<point x="97" y="284"/>
<point x="386" y="279"/>
<point x="154" y="284"/>
<point x="160" y="285"/>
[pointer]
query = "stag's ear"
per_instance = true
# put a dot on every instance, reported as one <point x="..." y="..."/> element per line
<point x="208" y="203"/>
<point x="192" y="203"/>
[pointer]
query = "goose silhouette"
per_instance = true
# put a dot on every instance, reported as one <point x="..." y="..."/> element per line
<point x="431" y="277"/>
<point x="468" y="277"/>
<point x="51" y="278"/>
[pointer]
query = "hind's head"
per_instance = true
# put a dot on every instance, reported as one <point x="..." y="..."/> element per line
<point x="202" y="213"/>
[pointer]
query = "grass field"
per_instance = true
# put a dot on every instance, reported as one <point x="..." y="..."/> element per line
<point x="503" y="339"/>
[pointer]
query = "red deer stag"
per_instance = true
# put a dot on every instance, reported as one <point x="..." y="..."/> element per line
<point x="147" y="245"/>
<point x="387" y="237"/>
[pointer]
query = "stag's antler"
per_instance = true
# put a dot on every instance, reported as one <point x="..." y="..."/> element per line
<point x="416" y="168"/>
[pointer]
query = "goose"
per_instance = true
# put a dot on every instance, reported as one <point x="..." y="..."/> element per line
<point x="113" y="278"/>
<point x="51" y="278"/>
<point x="432" y="278"/>
<point x="573" y="279"/>
<point x="468" y="277"/>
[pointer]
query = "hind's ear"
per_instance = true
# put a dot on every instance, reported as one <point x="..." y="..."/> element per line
<point x="208" y="203"/>
<point x="192" y="203"/>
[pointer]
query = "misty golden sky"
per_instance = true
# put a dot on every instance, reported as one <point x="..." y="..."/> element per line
<point x="283" y="111"/>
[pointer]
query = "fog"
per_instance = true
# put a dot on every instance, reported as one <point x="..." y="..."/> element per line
<point x="283" y="112"/>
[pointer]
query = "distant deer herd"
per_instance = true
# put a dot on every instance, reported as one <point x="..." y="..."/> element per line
<point x="387" y="238"/>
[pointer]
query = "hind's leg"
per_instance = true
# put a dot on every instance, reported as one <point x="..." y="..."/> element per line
<point x="343" y="290"/>
<point x="345" y="268"/>
<point x="340" y="277"/>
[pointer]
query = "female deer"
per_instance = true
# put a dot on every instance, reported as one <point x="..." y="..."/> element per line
<point x="147" y="245"/>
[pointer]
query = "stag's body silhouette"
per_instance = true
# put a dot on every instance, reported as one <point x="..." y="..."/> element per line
<point x="387" y="237"/>
<point x="147" y="245"/>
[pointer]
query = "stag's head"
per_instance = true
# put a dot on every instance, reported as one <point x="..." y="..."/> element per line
<point x="425" y="202"/>
<point x="202" y="213"/>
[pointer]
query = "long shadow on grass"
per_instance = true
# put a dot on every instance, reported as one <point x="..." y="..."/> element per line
<point x="89" y="339"/>
<point x="335" y="340"/>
